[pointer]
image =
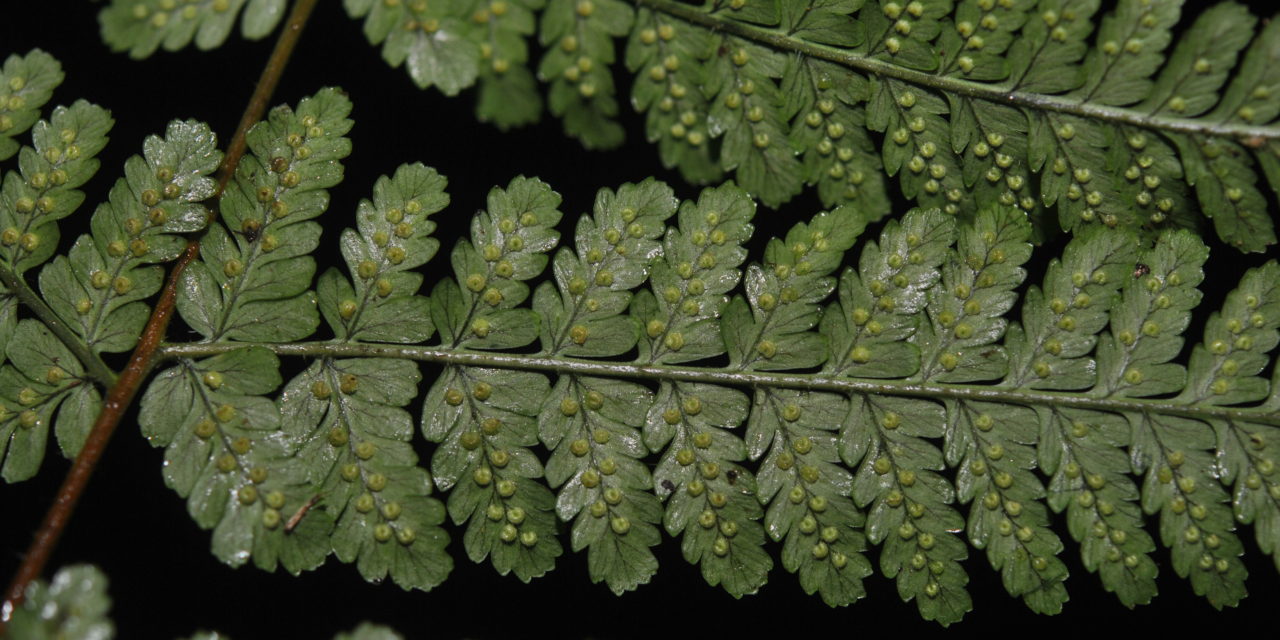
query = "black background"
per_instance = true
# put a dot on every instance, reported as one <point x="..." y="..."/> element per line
<point x="163" y="581"/>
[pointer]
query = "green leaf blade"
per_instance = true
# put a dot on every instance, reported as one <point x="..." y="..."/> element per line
<point x="30" y="81"/>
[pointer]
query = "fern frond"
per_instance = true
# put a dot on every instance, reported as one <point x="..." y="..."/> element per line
<point x="347" y="413"/>
<point x="75" y="604"/>
<point x="142" y="26"/>
<point x="98" y="288"/>
<point x="1112" y="118"/>
<point x="93" y="297"/>
<point x="508" y="90"/>
<point x="43" y="190"/>
<point x="1050" y="110"/>
<point x="433" y="40"/>
<point x="920" y="371"/>
<point x="596" y="449"/>
<point x="95" y="294"/>
<point x="252" y="278"/>
<point x="582" y="88"/>
<point x="679" y="123"/>
<point x="820" y="406"/>
<point x="27" y="82"/>
<point x="223" y="452"/>
<point x="42" y="375"/>
<point x="484" y="419"/>
<point x="1094" y="116"/>
<point x="72" y="605"/>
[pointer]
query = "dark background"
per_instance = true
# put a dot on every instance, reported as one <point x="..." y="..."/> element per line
<point x="163" y="581"/>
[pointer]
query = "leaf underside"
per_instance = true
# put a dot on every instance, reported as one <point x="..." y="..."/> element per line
<point x="828" y="404"/>
<point x="1128" y="114"/>
<point x="896" y="403"/>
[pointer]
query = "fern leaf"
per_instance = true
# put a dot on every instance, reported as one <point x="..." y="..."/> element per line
<point x="251" y="281"/>
<point x="1047" y="145"/>
<point x="346" y="414"/>
<point x="711" y="496"/>
<point x="915" y="396"/>
<point x="224" y="453"/>
<point x="817" y="518"/>
<point x="99" y="287"/>
<point x="506" y="248"/>
<point x="95" y="291"/>
<point x="73" y="604"/>
<point x="747" y="105"/>
<point x="44" y="190"/>
<point x="1085" y="452"/>
<point x="1195" y="521"/>
<point x="582" y="89"/>
<point x="430" y="39"/>
<point x="596" y="449"/>
<point x="784" y="293"/>
<point x="921" y="142"/>
<point x="615" y="250"/>
<point x="1015" y="102"/>
<point x="485" y="420"/>
<point x="1008" y="516"/>
<point x="222" y="436"/>
<point x="915" y="351"/>
<point x="353" y="437"/>
<point x="672" y="70"/>
<point x="380" y="303"/>
<point x="41" y="377"/>
<point x="61" y="160"/>
<point x="966" y="312"/>
<point x="27" y="82"/>
<point x="593" y="427"/>
<point x="1059" y="321"/>
<point x="808" y="493"/>
<point x="845" y="166"/>
<point x="142" y="26"/>
<point x="700" y="264"/>
<point x="508" y="94"/>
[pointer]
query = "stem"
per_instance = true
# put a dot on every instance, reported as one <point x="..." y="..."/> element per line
<point x="751" y="379"/>
<point x="97" y="369"/>
<point x="143" y="359"/>
<point x="1037" y="101"/>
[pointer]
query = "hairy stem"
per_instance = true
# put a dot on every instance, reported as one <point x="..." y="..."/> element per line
<point x="732" y="377"/>
<point x="121" y="394"/>
<point x="97" y="369"/>
<point x="780" y="41"/>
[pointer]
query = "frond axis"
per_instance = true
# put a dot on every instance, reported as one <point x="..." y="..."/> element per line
<point x="751" y="379"/>
<point x="1252" y="136"/>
